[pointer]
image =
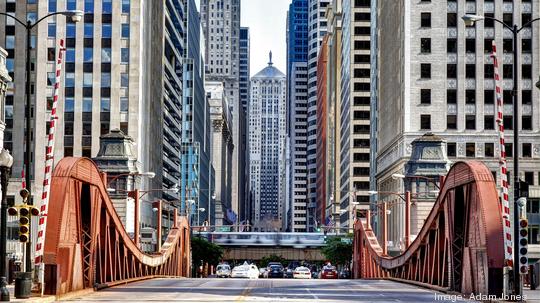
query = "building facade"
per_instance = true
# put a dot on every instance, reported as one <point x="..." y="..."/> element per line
<point x="244" y="208"/>
<point x="297" y="54"/>
<point x="317" y="25"/>
<point x="222" y="151"/>
<point x="444" y="84"/>
<point x="220" y="20"/>
<point x="354" y="111"/>
<point x="267" y="146"/>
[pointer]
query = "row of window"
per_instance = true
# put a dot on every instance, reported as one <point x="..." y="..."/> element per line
<point x="470" y="122"/>
<point x="89" y="6"/>
<point x="489" y="151"/>
<point x="470" y="97"/>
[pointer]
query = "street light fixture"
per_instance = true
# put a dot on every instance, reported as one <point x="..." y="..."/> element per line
<point x="470" y="20"/>
<point x="6" y="161"/>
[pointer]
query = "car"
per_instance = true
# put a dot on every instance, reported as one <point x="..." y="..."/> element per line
<point x="288" y="273"/>
<point x="345" y="274"/>
<point x="223" y="271"/>
<point x="245" y="270"/>
<point x="263" y="273"/>
<point x="275" y="271"/>
<point x="315" y="274"/>
<point x="329" y="272"/>
<point x="302" y="272"/>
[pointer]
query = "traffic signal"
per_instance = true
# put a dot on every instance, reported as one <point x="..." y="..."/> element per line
<point x="24" y="224"/>
<point x="523" y="249"/>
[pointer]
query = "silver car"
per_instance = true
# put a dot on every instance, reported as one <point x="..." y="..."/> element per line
<point x="223" y="271"/>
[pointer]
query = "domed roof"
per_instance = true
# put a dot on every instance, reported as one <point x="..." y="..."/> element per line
<point x="270" y="71"/>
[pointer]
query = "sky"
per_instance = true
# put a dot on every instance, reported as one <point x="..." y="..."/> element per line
<point x="266" y="20"/>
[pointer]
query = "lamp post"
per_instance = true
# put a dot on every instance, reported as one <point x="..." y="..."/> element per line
<point x="469" y="21"/>
<point x="6" y="161"/>
<point x="76" y="16"/>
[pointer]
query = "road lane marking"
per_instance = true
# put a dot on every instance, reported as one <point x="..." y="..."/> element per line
<point x="245" y="293"/>
<point x="312" y="294"/>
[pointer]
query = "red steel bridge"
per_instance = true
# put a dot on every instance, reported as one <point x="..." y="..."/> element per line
<point x="86" y="245"/>
<point x="460" y="248"/>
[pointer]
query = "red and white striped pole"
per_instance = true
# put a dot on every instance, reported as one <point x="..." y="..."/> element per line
<point x="507" y="228"/>
<point x="49" y="162"/>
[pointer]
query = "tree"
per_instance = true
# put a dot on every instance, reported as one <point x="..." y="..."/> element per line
<point x="336" y="251"/>
<point x="271" y="258"/>
<point x="206" y="251"/>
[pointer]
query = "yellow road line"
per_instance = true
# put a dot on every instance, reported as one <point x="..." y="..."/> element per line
<point x="245" y="293"/>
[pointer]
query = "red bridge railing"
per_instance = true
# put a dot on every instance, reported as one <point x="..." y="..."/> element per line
<point x="460" y="247"/>
<point x="86" y="245"/>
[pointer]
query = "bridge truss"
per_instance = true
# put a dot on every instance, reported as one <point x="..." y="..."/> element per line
<point x="460" y="247"/>
<point x="86" y="245"/>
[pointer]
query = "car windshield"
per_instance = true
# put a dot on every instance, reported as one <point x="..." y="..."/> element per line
<point x="274" y="267"/>
<point x="223" y="267"/>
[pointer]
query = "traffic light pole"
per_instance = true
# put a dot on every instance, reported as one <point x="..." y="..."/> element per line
<point x="5" y="174"/>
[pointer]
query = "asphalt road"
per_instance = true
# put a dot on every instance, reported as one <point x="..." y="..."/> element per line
<point x="263" y="290"/>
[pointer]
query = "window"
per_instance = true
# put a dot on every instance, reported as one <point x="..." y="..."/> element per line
<point x="106" y="7"/>
<point x="125" y="30"/>
<point x="451" y="149"/>
<point x="88" y="54"/>
<point x="425" y="45"/>
<point x="488" y="47"/>
<point x="489" y="22"/>
<point x="526" y="46"/>
<point x="489" y="150"/>
<point x="106" y="30"/>
<point x="69" y="106"/>
<point x="470" y="46"/>
<point x="526" y="122"/>
<point x="526" y="71"/>
<point x="125" y="6"/>
<point x="124" y="105"/>
<point x="451" y="46"/>
<point x="507" y="97"/>
<point x="87" y="105"/>
<point x="489" y="97"/>
<point x="425" y="96"/>
<point x="526" y="150"/>
<point x="451" y="20"/>
<point x="508" y="18"/>
<point x="105" y="80"/>
<point x="489" y="122"/>
<point x="508" y="122"/>
<point x="124" y="55"/>
<point x="71" y="30"/>
<point x="470" y="71"/>
<point x="451" y="96"/>
<point x="106" y="55"/>
<point x="70" y="55"/>
<point x="526" y="97"/>
<point x="88" y="6"/>
<point x="105" y="105"/>
<point x="52" y="6"/>
<point x="507" y="45"/>
<point x="425" y="122"/>
<point x="425" y="19"/>
<point x="451" y="122"/>
<point x="88" y="30"/>
<point x="87" y="80"/>
<point x="470" y="150"/>
<point x="451" y="71"/>
<point x="509" y="150"/>
<point x="51" y="29"/>
<point x="71" y="5"/>
<point x="425" y="70"/>
<point x="488" y="71"/>
<point x="124" y="80"/>
<point x="470" y="122"/>
<point x="507" y="71"/>
<point x="51" y="54"/>
<point x="470" y="96"/>
<point x="51" y="79"/>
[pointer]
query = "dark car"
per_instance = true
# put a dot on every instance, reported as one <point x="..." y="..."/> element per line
<point x="275" y="271"/>
<point x="288" y="273"/>
<point x="345" y="274"/>
<point x="329" y="273"/>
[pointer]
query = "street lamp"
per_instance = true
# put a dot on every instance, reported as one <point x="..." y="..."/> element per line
<point x="6" y="161"/>
<point x="470" y="20"/>
<point x="76" y="16"/>
<point x="149" y="174"/>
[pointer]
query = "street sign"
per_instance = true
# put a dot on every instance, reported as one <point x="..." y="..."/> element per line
<point x="346" y="240"/>
<point x="225" y="228"/>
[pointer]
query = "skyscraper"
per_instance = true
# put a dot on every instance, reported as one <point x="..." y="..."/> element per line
<point x="297" y="52"/>
<point x="317" y="29"/>
<point x="244" y="207"/>
<point x="244" y="67"/>
<point x="267" y="140"/>
<point x="355" y="110"/>
<point x="197" y="176"/>
<point x="443" y="83"/>
<point x="220" y="20"/>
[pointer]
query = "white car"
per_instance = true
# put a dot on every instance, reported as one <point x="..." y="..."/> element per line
<point x="223" y="270"/>
<point x="302" y="272"/>
<point x="245" y="271"/>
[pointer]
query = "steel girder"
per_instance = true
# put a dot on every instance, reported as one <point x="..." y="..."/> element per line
<point x="460" y="248"/>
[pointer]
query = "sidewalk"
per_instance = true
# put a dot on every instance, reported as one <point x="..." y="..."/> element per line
<point x="33" y="297"/>
<point x="533" y="296"/>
